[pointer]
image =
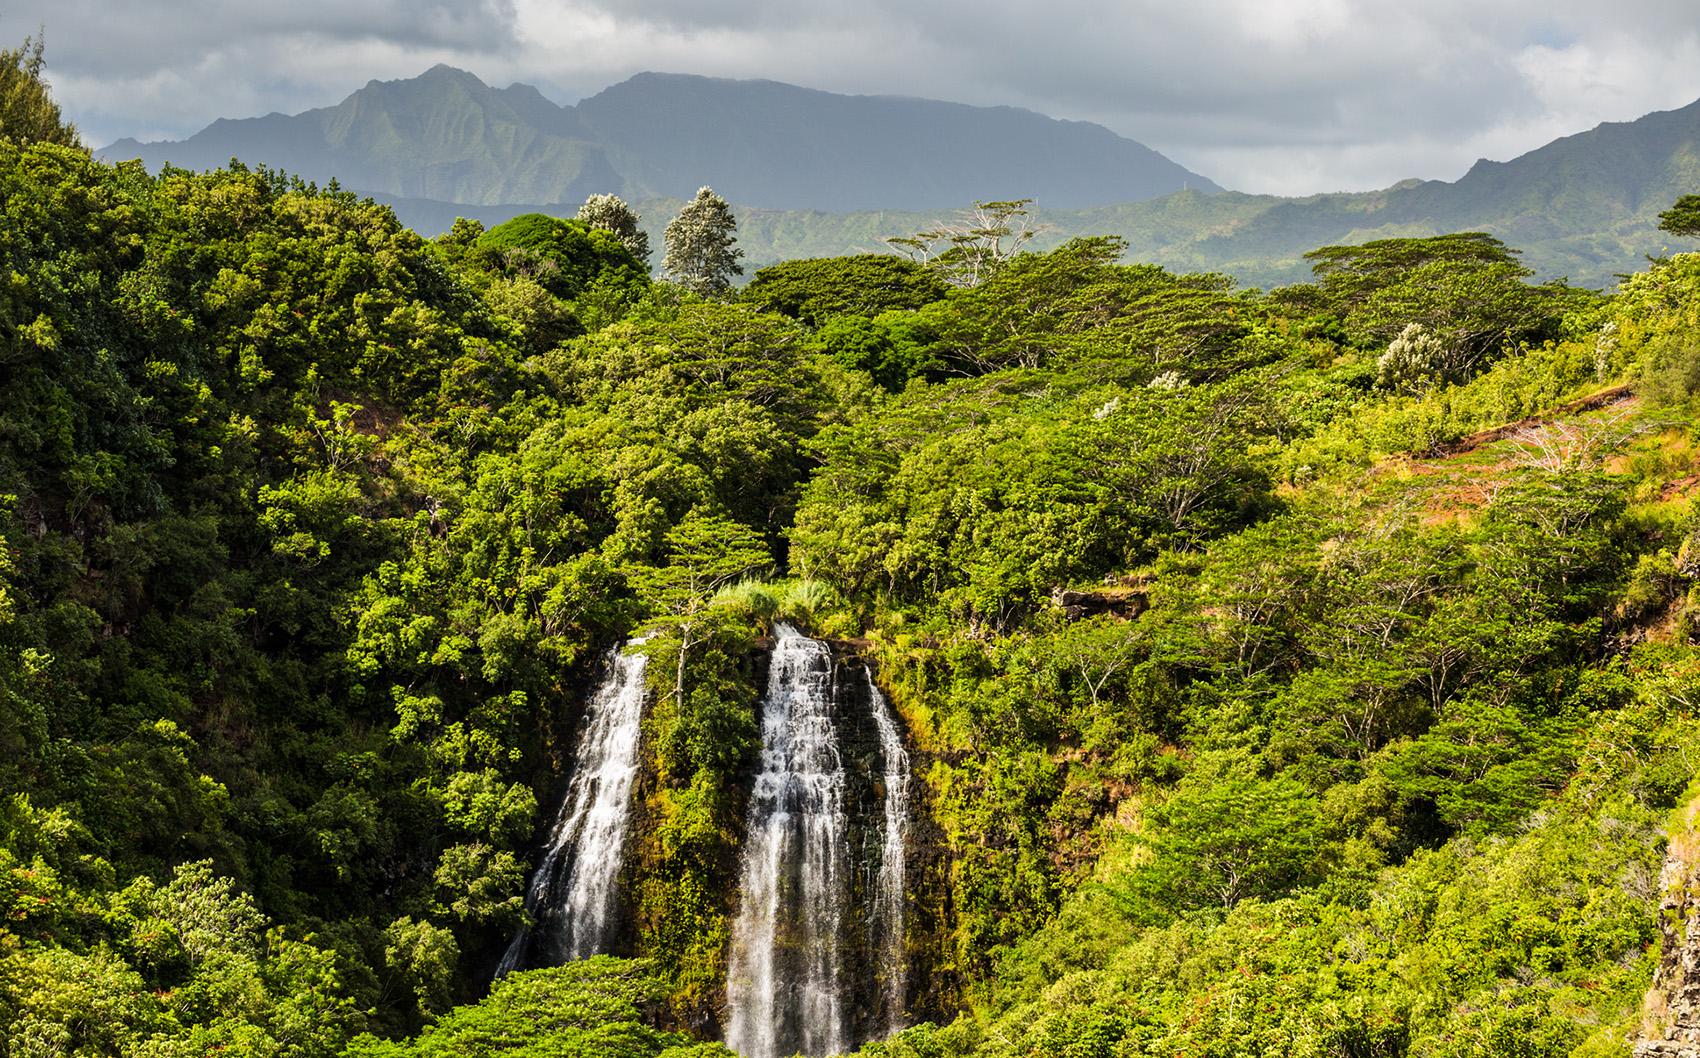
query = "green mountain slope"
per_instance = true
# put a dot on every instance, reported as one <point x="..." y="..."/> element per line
<point x="1585" y="206"/>
<point x="442" y="135"/>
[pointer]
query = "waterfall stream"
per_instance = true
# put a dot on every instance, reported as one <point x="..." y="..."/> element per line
<point x="818" y="959"/>
<point x="572" y="898"/>
<point x="785" y="988"/>
<point x="886" y="934"/>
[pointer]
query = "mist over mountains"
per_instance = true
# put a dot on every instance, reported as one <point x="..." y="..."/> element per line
<point x="819" y="174"/>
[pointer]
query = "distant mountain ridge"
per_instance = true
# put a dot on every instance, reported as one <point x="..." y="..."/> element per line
<point x="449" y="137"/>
<point x="445" y="144"/>
<point x="1584" y="207"/>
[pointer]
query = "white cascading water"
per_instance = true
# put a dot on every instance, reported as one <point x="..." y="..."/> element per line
<point x="572" y="896"/>
<point x="887" y="917"/>
<point x="785" y="983"/>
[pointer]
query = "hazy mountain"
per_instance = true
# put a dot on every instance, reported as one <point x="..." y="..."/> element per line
<point x="819" y="174"/>
<point x="442" y="135"/>
<point x="447" y="136"/>
<point x="781" y="147"/>
<point x="1584" y="207"/>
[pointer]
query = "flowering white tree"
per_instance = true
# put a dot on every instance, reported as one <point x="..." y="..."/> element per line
<point x="701" y="256"/>
<point x="1415" y="361"/>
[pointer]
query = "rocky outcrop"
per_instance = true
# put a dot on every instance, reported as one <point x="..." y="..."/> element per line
<point x="1126" y="599"/>
<point x="1671" y="1017"/>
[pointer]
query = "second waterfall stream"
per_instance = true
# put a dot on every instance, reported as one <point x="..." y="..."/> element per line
<point x="790" y="987"/>
<point x="572" y="899"/>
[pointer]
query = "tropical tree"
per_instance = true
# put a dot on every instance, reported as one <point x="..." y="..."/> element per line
<point x="705" y="552"/>
<point x="973" y="248"/>
<point x="1227" y="838"/>
<point x="817" y="290"/>
<point x="610" y="213"/>
<point x="1415" y="361"/>
<point x="1467" y="290"/>
<point x="1683" y="218"/>
<point x="563" y="256"/>
<point x="27" y="111"/>
<point x="701" y="255"/>
<point x="593" y="1006"/>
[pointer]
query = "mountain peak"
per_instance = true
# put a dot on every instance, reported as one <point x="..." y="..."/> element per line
<point x="444" y="72"/>
<point x="437" y="77"/>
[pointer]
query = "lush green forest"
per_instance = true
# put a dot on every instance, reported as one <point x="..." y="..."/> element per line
<point x="1303" y="672"/>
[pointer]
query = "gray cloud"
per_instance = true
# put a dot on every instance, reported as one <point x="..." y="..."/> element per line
<point x="1291" y="96"/>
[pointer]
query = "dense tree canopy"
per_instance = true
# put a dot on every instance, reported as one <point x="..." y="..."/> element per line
<point x="815" y="291"/>
<point x="1467" y="291"/>
<point x="564" y="256"/>
<point x="587" y="1009"/>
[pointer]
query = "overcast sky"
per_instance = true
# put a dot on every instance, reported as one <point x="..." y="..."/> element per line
<point x="1285" y="96"/>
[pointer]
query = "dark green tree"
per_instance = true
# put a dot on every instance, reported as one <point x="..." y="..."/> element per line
<point x="893" y="347"/>
<point x="1683" y="218"/>
<point x="563" y="256"/>
<point x="817" y="290"/>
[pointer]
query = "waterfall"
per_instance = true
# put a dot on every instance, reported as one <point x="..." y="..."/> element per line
<point x="571" y="900"/>
<point x="886" y="937"/>
<point x="785" y="986"/>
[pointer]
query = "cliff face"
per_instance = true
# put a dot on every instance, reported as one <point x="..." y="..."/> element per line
<point x="1671" y="1025"/>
